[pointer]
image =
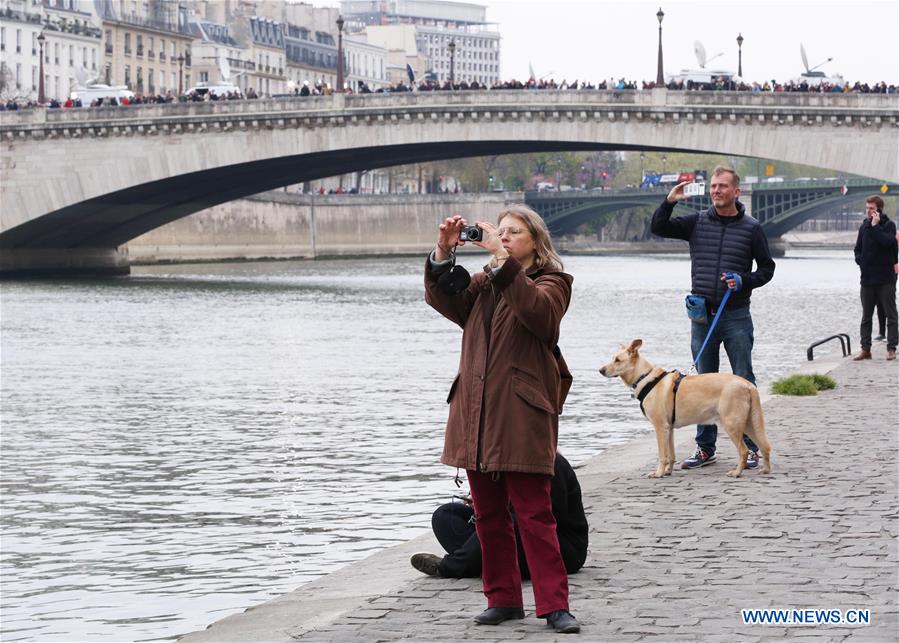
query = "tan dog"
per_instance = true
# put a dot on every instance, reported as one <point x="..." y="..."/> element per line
<point x="701" y="399"/>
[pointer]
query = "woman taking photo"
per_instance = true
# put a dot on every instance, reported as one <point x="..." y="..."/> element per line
<point x="505" y="404"/>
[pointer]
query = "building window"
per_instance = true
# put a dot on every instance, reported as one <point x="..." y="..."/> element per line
<point x="151" y="87"/>
<point x="56" y="53"/>
<point x="140" y="45"/>
<point x="150" y="49"/>
<point x="18" y="41"/>
<point x="2" y="38"/>
<point x="71" y="55"/>
<point x="127" y="44"/>
<point x="33" y="78"/>
<point x="18" y="76"/>
<point x="140" y="79"/>
<point x="94" y="59"/>
<point x="108" y="41"/>
<point x="128" y="76"/>
<point x="161" y="49"/>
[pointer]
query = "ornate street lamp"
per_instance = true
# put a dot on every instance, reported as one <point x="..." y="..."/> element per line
<point x="452" y="49"/>
<point x="740" y="55"/>
<point x="660" y="76"/>
<point x="41" y="98"/>
<point x="339" y="53"/>
<point x="180" y="60"/>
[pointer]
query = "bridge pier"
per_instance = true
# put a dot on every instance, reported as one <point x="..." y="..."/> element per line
<point x="63" y="262"/>
<point x="777" y="246"/>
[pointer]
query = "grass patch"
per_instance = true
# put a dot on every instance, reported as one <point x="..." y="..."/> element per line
<point x="803" y="384"/>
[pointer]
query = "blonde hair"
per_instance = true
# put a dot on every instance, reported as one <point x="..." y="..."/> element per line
<point x="546" y="256"/>
<point x="723" y="169"/>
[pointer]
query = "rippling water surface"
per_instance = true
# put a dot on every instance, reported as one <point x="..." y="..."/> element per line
<point x="182" y="444"/>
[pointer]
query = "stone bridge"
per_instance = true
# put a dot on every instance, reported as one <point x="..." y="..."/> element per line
<point x="76" y="184"/>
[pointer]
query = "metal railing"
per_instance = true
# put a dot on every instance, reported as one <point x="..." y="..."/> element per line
<point x="845" y="344"/>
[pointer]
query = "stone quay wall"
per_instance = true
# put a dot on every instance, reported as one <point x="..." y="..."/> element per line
<point x="281" y="225"/>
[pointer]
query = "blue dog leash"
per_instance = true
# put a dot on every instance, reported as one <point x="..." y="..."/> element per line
<point x="728" y="275"/>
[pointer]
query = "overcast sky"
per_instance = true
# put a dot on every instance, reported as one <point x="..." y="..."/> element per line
<point x="609" y="38"/>
<point x="597" y="39"/>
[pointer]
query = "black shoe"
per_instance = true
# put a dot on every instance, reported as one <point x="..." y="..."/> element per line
<point x="563" y="622"/>
<point x="426" y="563"/>
<point x="496" y="615"/>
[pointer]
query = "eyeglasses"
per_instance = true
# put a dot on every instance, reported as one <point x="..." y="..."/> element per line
<point x="510" y="230"/>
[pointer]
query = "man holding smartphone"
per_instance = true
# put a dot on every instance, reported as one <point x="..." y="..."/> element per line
<point x="724" y="242"/>
<point x="877" y="255"/>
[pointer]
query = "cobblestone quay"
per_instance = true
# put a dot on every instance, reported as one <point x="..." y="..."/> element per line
<point x="677" y="558"/>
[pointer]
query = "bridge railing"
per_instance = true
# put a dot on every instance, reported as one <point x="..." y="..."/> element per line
<point x="879" y="105"/>
<point x="834" y="183"/>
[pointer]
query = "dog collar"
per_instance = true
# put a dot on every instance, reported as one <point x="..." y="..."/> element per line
<point x="640" y="379"/>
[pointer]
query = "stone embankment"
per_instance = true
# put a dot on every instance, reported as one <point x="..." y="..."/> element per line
<point x="677" y="558"/>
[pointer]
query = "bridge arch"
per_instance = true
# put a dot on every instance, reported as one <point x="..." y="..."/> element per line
<point x="93" y="179"/>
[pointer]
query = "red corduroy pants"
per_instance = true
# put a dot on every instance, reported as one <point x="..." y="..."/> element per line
<point x="529" y="495"/>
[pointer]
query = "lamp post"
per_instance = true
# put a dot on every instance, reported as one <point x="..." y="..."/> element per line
<point x="339" y="53"/>
<point x="660" y="76"/>
<point x="642" y="175"/>
<point x="664" y="162"/>
<point x="180" y="74"/>
<point x="452" y="50"/>
<point x="41" y="98"/>
<point x="740" y="55"/>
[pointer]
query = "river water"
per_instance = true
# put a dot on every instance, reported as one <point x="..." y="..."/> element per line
<point x="181" y="444"/>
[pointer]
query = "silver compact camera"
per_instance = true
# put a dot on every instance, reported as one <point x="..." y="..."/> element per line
<point x="471" y="233"/>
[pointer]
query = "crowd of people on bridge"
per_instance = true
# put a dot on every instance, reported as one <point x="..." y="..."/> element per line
<point x="324" y="89"/>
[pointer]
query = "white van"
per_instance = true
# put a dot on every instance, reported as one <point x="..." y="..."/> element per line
<point x="219" y="89"/>
<point x="92" y="92"/>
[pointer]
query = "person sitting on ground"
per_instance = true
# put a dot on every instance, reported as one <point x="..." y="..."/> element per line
<point x="453" y="525"/>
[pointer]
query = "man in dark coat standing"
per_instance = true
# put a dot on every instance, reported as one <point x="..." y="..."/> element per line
<point x="724" y="243"/>
<point x="877" y="256"/>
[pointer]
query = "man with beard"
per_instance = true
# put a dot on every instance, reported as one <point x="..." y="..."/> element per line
<point x="724" y="242"/>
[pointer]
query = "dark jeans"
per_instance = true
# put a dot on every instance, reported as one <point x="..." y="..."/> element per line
<point x="735" y="331"/>
<point x="885" y="296"/>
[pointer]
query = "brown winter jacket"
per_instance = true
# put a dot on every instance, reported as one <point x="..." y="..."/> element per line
<point x="506" y="399"/>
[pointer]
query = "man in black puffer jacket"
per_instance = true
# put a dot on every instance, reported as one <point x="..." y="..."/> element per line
<point x="877" y="256"/>
<point x="724" y="241"/>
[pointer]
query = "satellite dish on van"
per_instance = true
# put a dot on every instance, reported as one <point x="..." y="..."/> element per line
<point x="699" y="50"/>
<point x="225" y="69"/>
<point x="81" y="78"/>
<point x="701" y="56"/>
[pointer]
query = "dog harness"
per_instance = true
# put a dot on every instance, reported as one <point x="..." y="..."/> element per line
<point x="647" y="389"/>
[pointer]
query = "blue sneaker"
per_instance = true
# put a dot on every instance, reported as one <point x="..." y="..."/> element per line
<point x="698" y="459"/>
<point x="752" y="460"/>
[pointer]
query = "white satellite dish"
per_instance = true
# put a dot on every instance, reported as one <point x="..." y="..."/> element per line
<point x="699" y="50"/>
<point x="701" y="56"/>
<point x="81" y="77"/>
<point x="225" y="69"/>
<point x="804" y="57"/>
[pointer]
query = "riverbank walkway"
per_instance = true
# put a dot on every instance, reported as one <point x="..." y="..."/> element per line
<point x="674" y="559"/>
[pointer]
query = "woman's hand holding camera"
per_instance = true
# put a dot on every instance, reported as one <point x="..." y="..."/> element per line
<point x="491" y="242"/>
<point x="448" y="237"/>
